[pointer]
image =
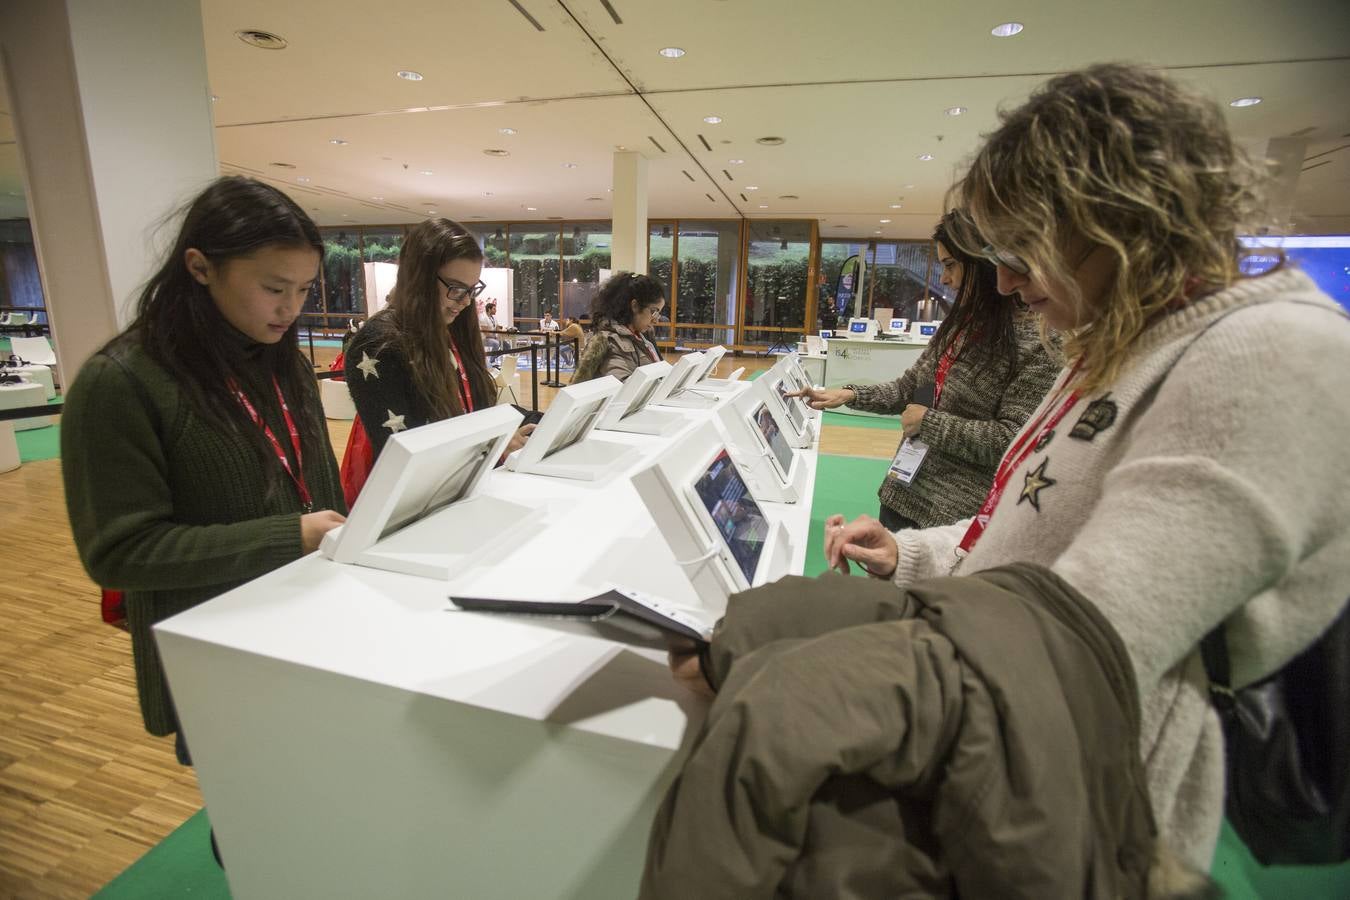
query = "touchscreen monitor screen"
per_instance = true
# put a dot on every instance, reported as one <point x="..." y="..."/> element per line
<point x="826" y="334"/>
<point x="643" y="396"/>
<point x="768" y="428"/>
<point x="734" y="513"/>
<point x="459" y="471"/>
<point x="577" y="427"/>
<point x="857" y="327"/>
<point x="793" y="410"/>
<point x="928" y="330"/>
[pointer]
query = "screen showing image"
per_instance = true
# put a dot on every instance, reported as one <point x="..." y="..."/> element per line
<point x="857" y="327"/>
<point x="794" y="412"/>
<point x="928" y="330"/>
<point x="734" y="513"/>
<point x="458" y="474"/>
<point x="773" y="438"/>
<point x="577" y="427"/>
<point x="825" y="335"/>
<point x="643" y="396"/>
<point x="899" y="324"/>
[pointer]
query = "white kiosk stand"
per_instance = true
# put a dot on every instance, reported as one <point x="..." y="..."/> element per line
<point x="767" y="461"/>
<point x="675" y="390"/>
<point x="629" y="410"/>
<point x="559" y="445"/>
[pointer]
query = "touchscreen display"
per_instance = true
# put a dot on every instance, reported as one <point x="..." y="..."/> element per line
<point x="857" y="327"/>
<point x="644" y="394"/>
<point x="678" y="384"/>
<point x="576" y="429"/>
<point x="773" y="438"/>
<point x="928" y="330"/>
<point x="793" y="410"/>
<point x="826" y="334"/>
<point x="458" y="473"/>
<point x="734" y="513"/>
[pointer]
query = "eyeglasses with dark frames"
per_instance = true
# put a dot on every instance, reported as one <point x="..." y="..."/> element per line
<point x="458" y="291"/>
<point x="1003" y="258"/>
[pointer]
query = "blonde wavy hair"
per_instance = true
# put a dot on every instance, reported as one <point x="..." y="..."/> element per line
<point x="1123" y="158"/>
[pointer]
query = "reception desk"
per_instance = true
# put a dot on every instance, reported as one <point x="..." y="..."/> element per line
<point x="867" y="361"/>
<point x="355" y="735"/>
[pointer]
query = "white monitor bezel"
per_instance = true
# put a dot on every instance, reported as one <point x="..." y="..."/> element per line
<point x="902" y="327"/>
<point x="826" y="334"/>
<point x="632" y="389"/>
<point x="711" y="358"/>
<point x="402" y="465"/>
<point x="709" y="530"/>
<point x="567" y="404"/>
<point x="746" y="410"/>
<point x="678" y="378"/>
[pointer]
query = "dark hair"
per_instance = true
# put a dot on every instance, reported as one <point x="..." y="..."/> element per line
<point x="180" y="327"/>
<point x="415" y="311"/>
<point x="979" y="312"/>
<point x="611" y="301"/>
<point x="490" y="307"/>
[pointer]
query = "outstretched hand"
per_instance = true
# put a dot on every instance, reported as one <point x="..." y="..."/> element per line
<point x="825" y="398"/>
<point x="864" y="541"/>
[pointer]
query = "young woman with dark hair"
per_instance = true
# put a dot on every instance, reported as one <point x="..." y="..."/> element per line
<point x="193" y="445"/>
<point x="623" y="311"/>
<point x="419" y="360"/>
<point x="986" y="369"/>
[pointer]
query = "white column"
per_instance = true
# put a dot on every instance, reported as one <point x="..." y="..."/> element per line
<point x="112" y="113"/>
<point x="628" y="249"/>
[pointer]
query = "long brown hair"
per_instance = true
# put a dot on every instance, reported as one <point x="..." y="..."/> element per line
<point x="979" y="312"/>
<point x="415" y="311"/>
<point x="1124" y="158"/>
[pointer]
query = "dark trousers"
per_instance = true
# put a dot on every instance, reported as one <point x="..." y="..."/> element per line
<point x="894" y="521"/>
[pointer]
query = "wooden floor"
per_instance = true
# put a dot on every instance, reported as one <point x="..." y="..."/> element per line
<point x="84" y="791"/>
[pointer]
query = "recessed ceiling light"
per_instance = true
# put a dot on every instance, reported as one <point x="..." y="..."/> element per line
<point x="337" y="141"/>
<point x="496" y="152"/>
<point x="955" y="110"/>
<point x="878" y="231"/>
<point x="909" y="187"/>
<point x="377" y="199"/>
<point x="214" y="98"/>
<point x="487" y="193"/>
<point x="410" y="75"/>
<point x="428" y="172"/>
<point x="736" y="162"/>
<point x="752" y="187"/>
<point x="532" y="209"/>
<point x="771" y="141"/>
<point x="1007" y="29"/>
<point x="925" y="157"/>
<point x="263" y="40"/>
<point x="1244" y="101"/>
<point x="569" y="165"/>
<point x="713" y="120"/>
<point x="593" y="199"/>
<point x="764" y="206"/>
<point x="895" y="206"/>
<point x="506" y="131"/>
<point x="885" y="221"/>
<point x="431" y="212"/>
<point x="303" y="179"/>
<point x="671" y="52"/>
<point x="281" y="165"/>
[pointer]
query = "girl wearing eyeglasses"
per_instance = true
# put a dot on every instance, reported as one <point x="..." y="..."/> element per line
<point x="420" y="359"/>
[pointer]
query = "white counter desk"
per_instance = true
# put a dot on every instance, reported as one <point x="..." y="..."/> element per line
<point x="865" y="361"/>
<point x="355" y="736"/>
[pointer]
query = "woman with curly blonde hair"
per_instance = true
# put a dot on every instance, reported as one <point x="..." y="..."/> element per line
<point x="1184" y="471"/>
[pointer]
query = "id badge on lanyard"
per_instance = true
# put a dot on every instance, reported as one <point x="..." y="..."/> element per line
<point x="908" y="459"/>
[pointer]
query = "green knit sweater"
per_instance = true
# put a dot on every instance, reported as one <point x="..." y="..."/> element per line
<point x="169" y="507"/>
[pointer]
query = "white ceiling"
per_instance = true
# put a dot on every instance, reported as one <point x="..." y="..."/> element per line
<point x="858" y="89"/>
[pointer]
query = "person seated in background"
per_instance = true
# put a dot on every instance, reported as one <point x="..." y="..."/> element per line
<point x="622" y="314"/>
<point x="487" y="323"/>
<point x="571" y="330"/>
<point x="419" y="360"/>
<point x="1184" y="473"/>
<point x="961" y="402"/>
<point x="547" y="323"/>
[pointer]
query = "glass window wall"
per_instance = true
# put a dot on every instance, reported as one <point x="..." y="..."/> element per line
<point x="586" y="250"/>
<point x="534" y="259"/>
<point x="776" y="282"/>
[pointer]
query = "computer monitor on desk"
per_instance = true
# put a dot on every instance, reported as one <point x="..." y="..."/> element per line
<point x="862" y="328"/>
<point x="629" y="411"/>
<point x="898" y="326"/>
<point x="561" y="445"/>
<point x="923" y="331"/>
<point x="826" y="334"/>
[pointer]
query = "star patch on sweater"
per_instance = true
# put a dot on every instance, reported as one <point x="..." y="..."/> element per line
<point x="394" y="423"/>
<point x="1099" y="416"/>
<point x="1036" y="481"/>
<point x="368" y="365"/>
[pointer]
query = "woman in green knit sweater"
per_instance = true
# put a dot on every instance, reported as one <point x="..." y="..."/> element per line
<point x="193" y="445"/>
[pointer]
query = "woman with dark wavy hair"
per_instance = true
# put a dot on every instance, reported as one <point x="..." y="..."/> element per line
<point x="622" y="313"/>
<point x="962" y="401"/>
<point x="193" y="445"/>
<point x="420" y="359"/>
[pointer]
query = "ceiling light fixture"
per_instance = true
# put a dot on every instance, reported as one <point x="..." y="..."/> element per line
<point x="263" y="40"/>
<point x="337" y="142"/>
<point x="1007" y="29"/>
<point x="532" y="209"/>
<point x="496" y="152"/>
<point x="377" y="199"/>
<point x="671" y="52"/>
<point x="884" y="221"/>
<point x="303" y="179"/>
<point x="410" y="75"/>
<point x="1244" y="101"/>
<point x="955" y="110"/>
<point x="713" y="120"/>
<point x="487" y="193"/>
<point x="569" y="165"/>
<point x="925" y="157"/>
<point x="427" y="172"/>
<point x="214" y="98"/>
<point x="909" y="187"/>
<point x="771" y="141"/>
<point x="736" y="162"/>
<point x="506" y="131"/>
<point x="752" y="187"/>
<point x="764" y="206"/>
<point x="594" y="199"/>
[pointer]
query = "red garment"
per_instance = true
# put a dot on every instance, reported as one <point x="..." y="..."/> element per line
<point x="357" y="461"/>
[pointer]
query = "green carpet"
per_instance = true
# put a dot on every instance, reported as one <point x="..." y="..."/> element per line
<point x="39" y="443"/>
<point x="845" y="420"/>
<point x="182" y="866"/>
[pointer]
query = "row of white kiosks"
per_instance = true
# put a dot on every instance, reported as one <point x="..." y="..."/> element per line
<point x="358" y="733"/>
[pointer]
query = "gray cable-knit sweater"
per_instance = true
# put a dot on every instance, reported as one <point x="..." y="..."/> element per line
<point x="981" y="408"/>
<point x="1208" y="484"/>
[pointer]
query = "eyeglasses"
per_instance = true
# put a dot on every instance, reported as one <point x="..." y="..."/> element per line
<point x="457" y="291"/>
<point x="1009" y="260"/>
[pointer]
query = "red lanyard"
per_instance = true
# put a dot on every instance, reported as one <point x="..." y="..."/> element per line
<point x="297" y="474"/>
<point x="465" y="395"/>
<point x="1017" y="454"/>
<point x="949" y="356"/>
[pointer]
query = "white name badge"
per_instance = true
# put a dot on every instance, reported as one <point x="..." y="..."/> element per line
<point x="908" y="459"/>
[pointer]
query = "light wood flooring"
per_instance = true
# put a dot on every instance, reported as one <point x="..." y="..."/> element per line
<point x="84" y="791"/>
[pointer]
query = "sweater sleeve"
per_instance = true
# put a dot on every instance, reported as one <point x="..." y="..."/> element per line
<point x="984" y="441"/>
<point x="382" y="388"/>
<point x="891" y="397"/>
<point x="1231" y="496"/>
<point x="113" y="461"/>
